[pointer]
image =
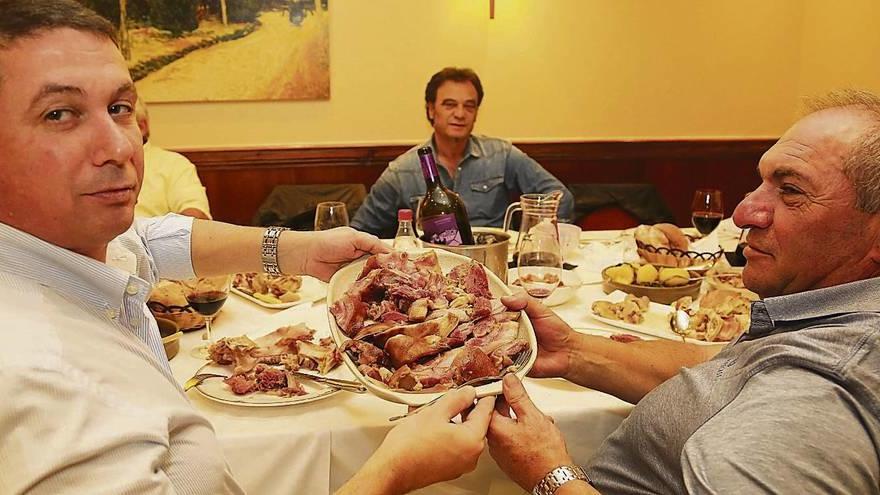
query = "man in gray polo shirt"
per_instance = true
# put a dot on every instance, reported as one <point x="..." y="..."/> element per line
<point x="793" y="405"/>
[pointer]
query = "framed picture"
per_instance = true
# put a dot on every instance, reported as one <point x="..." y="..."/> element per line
<point x="224" y="50"/>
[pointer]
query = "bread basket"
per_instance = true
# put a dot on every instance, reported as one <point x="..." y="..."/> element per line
<point x="665" y="256"/>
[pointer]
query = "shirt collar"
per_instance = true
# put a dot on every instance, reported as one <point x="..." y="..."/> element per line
<point x="858" y="296"/>
<point x="75" y="276"/>
<point x="474" y="147"/>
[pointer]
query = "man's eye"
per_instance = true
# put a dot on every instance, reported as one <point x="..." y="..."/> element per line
<point x="788" y="190"/>
<point x="470" y="106"/>
<point x="58" y="115"/>
<point x="120" y="109"/>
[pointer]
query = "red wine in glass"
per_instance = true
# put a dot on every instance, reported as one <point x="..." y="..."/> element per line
<point x="707" y="210"/>
<point x="207" y="303"/>
<point x="706" y="221"/>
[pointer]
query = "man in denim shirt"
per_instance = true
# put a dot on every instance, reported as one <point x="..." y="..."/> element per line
<point x="484" y="171"/>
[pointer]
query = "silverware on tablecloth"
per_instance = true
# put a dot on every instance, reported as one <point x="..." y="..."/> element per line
<point x="347" y="385"/>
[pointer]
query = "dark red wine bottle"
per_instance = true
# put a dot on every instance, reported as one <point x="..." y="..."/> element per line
<point x="443" y="217"/>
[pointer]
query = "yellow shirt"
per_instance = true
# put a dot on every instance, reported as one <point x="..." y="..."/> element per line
<point x="170" y="184"/>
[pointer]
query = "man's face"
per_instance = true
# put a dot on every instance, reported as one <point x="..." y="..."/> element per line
<point x="805" y="230"/>
<point x="455" y="110"/>
<point x="71" y="160"/>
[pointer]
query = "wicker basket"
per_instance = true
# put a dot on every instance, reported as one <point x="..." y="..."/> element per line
<point x="664" y="256"/>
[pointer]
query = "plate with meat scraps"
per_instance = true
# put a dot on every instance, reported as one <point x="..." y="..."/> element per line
<point x="310" y="290"/>
<point x="217" y="390"/>
<point x="655" y="322"/>
<point x="505" y="341"/>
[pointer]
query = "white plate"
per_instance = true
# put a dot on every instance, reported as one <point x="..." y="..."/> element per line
<point x="343" y="279"/>
<point x="215" y="390"/>
<point x="311" y="290"/>
<point x="656" y="321"/>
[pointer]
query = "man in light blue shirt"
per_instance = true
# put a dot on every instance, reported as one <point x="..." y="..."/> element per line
<point x="485" y="171"/>
<point x="90" y="403"/>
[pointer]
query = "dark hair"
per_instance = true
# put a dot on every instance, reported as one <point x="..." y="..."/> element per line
<point x="450" y="74"/>
<point x="23" y="18"/>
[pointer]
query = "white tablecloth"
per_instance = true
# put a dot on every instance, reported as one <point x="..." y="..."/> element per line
<point x="314" y="448"/>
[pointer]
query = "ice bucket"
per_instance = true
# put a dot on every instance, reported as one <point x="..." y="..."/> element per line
<point x="490" y="249"/>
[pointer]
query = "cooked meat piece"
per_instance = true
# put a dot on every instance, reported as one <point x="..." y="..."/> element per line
<point x="380" y="333"/>
<point x="403" y="349"/>
<point x="642" y="302"/>
<point x="365" y="352"/>
<point x="471" y="277"/>
<point x="504" y="355"/>
<point x="349" y="312"/>
<point x="418" y="310"/>
<point x="605" y="309"/>
<point x="472" y="363"/>
<point x="241" y="384"/>
<point x="326" y="358"/>
<point x="394" y="317"/>
<point x="482" y="308"/>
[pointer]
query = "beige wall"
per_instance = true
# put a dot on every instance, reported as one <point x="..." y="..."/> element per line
<point x="558" y="70"/>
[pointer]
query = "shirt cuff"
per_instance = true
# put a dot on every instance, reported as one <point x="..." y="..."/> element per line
<point x="169" y="241"/>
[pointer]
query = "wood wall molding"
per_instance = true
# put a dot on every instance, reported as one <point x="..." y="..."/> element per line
<point x="239" y="179"/>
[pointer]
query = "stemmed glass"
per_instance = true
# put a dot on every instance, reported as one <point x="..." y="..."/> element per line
<point x="539" y="265"/>
<point x="206" y="295"/>
<point x="330" y="214"/>
<point x="707" y="210"/>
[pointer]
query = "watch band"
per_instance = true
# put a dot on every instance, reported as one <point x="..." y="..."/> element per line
<point x="558" y="477"/>
<point x="269" y="250"/>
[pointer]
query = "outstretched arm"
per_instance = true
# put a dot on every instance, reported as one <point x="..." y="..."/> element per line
<point x="220" y="248"/>
<point x="626" y="370"/>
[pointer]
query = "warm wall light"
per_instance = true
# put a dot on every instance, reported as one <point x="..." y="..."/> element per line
<point x="491" y="9"/>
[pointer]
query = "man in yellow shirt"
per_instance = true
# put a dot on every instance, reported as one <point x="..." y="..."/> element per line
<point x="171" y="184"/>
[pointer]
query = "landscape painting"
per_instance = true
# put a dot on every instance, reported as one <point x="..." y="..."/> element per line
<point x="224" y="50"/>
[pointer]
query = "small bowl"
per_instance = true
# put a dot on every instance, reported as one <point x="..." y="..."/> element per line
<point x="561" y="295"/>
<point x="171" y="334"/>
<point x="657" y="294"/>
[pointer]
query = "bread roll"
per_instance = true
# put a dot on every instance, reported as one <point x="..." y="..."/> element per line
<point x="674" y="235"/>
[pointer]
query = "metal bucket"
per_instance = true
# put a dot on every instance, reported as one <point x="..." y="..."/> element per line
<point x="492" y="254"/>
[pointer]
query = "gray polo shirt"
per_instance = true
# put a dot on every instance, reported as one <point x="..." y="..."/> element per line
<point x="792" y="407"/>
<point x="490" y="171"/>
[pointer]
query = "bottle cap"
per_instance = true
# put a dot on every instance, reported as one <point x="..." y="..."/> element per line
<point x="404" y="214"/>
<point x="426" y="150"/>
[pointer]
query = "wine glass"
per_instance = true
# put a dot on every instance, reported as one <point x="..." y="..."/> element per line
<point x="707" y="210"/>
<point x="330" y="214"/>
<point x="206" y="295"/>
<point x="539" y="264"/>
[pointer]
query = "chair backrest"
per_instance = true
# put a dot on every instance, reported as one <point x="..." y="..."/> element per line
<point x="618" y="206"/>
<point x="294" y="206"/>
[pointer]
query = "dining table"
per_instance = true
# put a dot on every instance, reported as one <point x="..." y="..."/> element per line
<point x="314" y="447"/>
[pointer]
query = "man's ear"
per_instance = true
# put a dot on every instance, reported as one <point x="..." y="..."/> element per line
<point x="429" y="110"/>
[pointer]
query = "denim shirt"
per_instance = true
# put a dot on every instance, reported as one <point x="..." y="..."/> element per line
<point x="489" y="172"/>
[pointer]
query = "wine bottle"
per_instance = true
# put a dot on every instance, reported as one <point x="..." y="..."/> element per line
<point x="443" y="217"/>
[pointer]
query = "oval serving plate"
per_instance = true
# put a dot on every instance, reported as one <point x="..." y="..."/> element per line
<point x="343" y="279"/>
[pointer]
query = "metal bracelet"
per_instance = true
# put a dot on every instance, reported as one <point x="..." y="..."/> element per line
<point x="558" y="477"/>
<point x="269" y="250"/>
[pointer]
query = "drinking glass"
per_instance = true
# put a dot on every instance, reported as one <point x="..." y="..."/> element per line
<point x="707" y="210"/>
<point x="331" y="214"/>
<point x="206" y="295"/>
<point x="539" y="265"/>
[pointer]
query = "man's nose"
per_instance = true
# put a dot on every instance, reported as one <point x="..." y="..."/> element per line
<point x="111" y="143"/>
<point x="754" y="211"/>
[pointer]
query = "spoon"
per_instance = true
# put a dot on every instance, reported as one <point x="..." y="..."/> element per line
<point x="680" y="321"/>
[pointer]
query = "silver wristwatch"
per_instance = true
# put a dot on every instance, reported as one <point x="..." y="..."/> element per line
<point x="269" y="250"/>
<point x="558" y="477"/>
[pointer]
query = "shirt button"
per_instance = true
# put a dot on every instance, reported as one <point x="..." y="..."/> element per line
<point x="132" y="289"/>
<point x="112" y="314"/>
<point x="485" y="187"/>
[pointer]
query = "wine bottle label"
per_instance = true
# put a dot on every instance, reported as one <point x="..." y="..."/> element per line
<point x="442" y="229"/>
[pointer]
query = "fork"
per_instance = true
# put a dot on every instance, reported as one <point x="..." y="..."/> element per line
<point x="347" y="385"/>
<point x="480" y="380"/>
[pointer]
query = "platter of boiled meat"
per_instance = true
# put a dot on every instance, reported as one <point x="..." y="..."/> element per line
<point x="412" y="325"/>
